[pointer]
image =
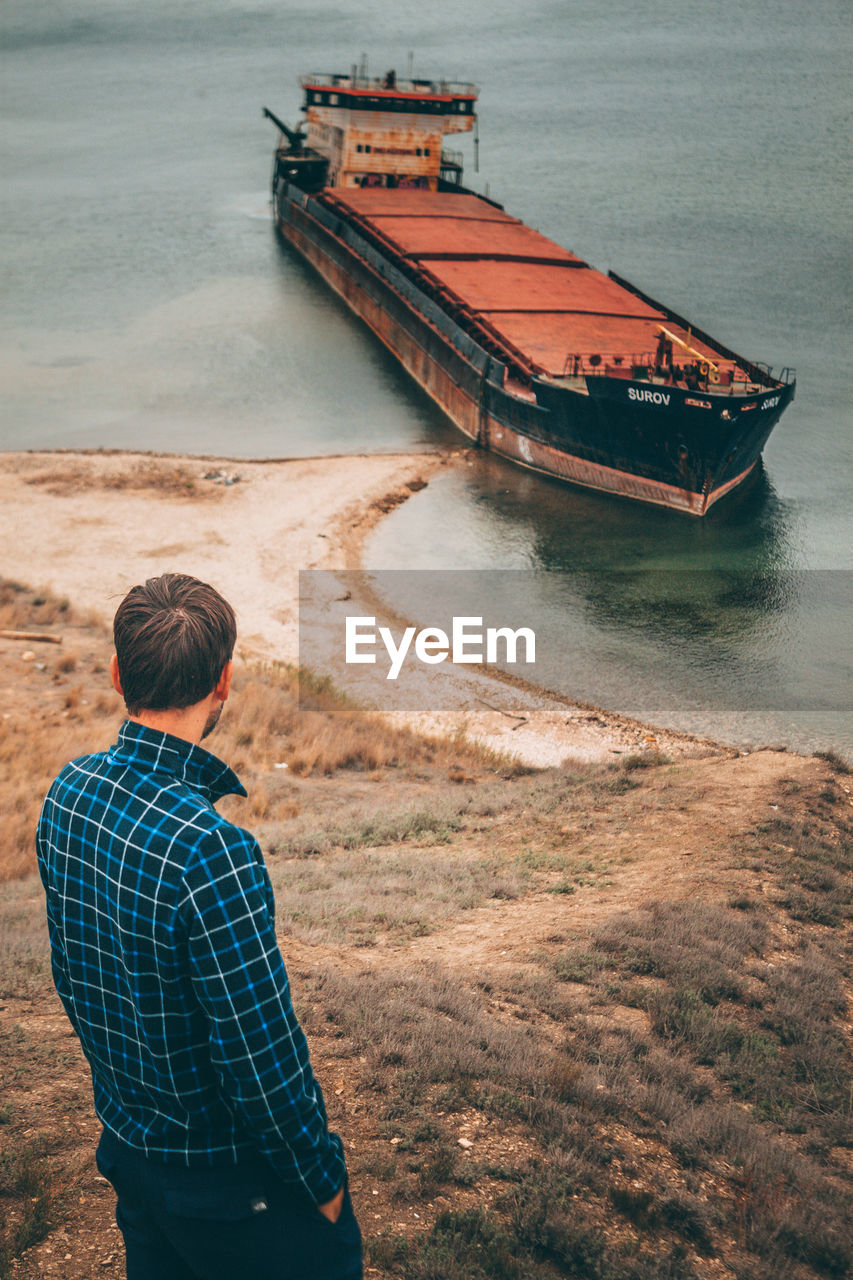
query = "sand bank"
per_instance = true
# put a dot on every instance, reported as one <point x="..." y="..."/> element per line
<point x="89" y="525"/>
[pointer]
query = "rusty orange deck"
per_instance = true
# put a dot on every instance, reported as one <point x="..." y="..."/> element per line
<point x="537" y="299"/>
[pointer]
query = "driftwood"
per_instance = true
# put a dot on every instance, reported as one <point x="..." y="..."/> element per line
<point x="33" y="636"/>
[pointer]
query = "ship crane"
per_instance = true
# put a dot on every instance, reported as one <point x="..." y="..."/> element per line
<point x="673" y="337"/>
<point x="294" y="136"/>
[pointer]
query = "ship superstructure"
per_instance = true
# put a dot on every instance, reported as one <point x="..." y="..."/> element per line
<point x="387" y="132"/>
<point x="532" y="353"/>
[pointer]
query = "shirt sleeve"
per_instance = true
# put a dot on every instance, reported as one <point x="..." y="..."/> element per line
<point x="257" y="1046"/>
<point x="58" y="958"/>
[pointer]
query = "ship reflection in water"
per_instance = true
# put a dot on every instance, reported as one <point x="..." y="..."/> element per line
<point x="702" y="626"/>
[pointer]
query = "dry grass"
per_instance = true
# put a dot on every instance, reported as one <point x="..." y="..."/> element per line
<point x="24" y="954"/>
<point x="28" y="1182"/>
<point x="40" y="1162"/>
<point x="62" y="706"/>
<point x="22" y="608"/>
<point x="281" y="714"/>
<point x="835" y="761"/>
<point x="385" y="895"/>
<point x="47" y="719"/>
<point x="712" y="1126"/>
<point x="176" y="480"/>
<point x="642" y="1151"/>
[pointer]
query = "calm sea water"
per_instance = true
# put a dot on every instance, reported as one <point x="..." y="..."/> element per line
<point x="704" y="153"/>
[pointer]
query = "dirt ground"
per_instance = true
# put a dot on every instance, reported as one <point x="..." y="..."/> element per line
<point x="672" y="837"/>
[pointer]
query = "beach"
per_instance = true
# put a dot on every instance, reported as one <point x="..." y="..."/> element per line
<point x="88" y="525"/>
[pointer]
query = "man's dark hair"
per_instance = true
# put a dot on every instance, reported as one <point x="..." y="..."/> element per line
<point x="173" y="636"/>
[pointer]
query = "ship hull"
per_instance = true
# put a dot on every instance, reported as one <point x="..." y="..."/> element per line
<point x="665" y="446"/>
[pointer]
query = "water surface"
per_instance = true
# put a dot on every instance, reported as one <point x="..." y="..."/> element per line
<point x="705" y="155"/>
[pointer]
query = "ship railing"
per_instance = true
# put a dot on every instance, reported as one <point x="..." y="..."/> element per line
<point x="404" y="85"/>
<point x="721" y="377"/>
<point x="786" y="375"/>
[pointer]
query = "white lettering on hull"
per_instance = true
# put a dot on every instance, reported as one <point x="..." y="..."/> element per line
<point x="652" y="397"/>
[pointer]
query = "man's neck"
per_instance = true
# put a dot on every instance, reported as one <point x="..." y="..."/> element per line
<point x="181" y="722"/>
<point x="190" y="723"/>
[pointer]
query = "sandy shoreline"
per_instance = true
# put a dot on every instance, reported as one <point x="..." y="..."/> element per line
<point x="88" y="525"/>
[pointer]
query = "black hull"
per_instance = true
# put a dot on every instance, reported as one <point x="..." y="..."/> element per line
<point x="661" y="444"/>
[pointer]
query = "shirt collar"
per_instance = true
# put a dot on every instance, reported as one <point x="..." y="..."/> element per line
<point x="150" y="749"/>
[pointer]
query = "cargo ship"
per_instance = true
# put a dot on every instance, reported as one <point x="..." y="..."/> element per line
<point x="528" y="349"/>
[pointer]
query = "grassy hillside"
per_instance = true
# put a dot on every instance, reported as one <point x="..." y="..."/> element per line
<point x="586" y="1022"/>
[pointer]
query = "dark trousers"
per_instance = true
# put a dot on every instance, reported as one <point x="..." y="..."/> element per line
<point x="235" y="1223"/>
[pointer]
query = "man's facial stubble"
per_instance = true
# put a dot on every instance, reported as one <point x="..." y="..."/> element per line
<point x="212" y="721"/>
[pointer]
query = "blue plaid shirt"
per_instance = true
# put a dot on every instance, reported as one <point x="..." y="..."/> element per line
<point x="161" y="919"/>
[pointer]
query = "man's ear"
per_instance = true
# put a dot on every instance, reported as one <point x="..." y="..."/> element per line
<point x="114" y="675"/>
<point x="223" y="688"/>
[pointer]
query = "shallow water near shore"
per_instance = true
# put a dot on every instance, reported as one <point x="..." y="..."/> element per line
<point x="705" y="628"/>
<point x="147" y="302"/>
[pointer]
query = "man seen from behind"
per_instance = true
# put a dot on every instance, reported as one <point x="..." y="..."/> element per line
<point x="161" y="918"/>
